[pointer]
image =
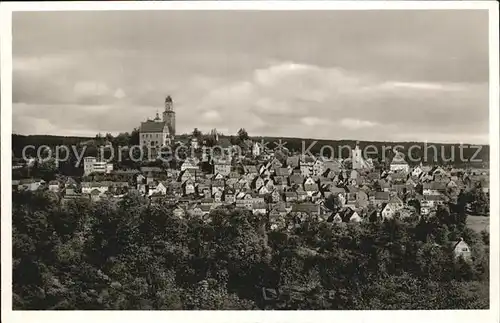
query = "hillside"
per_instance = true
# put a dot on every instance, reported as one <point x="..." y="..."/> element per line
<point x="443" y="152"/>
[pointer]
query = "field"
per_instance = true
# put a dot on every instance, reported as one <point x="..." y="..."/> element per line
<point x="478" y="223"/>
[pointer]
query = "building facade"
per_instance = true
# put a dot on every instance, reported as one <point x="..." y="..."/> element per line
<point x="159" y="132"/>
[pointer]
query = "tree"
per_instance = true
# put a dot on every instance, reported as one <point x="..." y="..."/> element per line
<point x="197" y="134"/>
<point x="333" y="203"/>
<point x="242" y="135"/>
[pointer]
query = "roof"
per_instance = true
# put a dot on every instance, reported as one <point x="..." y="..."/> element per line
<point x="454" y="243"/>
<point x="399" y="159"/>
<point x="292" y="161"/>
<point x="281" y="171"/>
<point x="146" y="169"/>
<point x="381" y="196"/>
<point x="153" y="126"/>
<point x="311" y="187"/>
<point x="259" y="205"/>
<point x="306" y="208"/>
<point x="296" y="179"/>
<point x="251" y="169"/>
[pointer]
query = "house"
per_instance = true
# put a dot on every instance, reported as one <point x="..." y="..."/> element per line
<point x="378" y="198"/>
<point x="218" y="176"/>
<point x="417" y="171"/>
<point x="257" y="182"/>
<point x="196" y="211"/>
<point x="218" y="196"/>
<point x="301" y="194"/>
<point x="396" y="201"/>
<point x="311" y="188"/>
<point x="244" y="200"/>
<point x="433" y="188"/>
<point x="31" y="184"/>
<point x="188" y="187"/>
<point x="161" y="188"/>
<point x="318" y="168"/>
<point x="295" y="179"/>
<point x="333" y="166"/>
<point x="276" y="196"/>
<point x="15" y="184"/>
<point x="250" y="169"/>
<point x="179" y="212"/>
<point x="461" y="249"/>
<point x="217" y="185"/>
<point x="292" y="161"/>
<point x="362" y="199"/>
<point x="355" y="218"/>
<point x="54" y="186"/>
<point x="389" y="211"/>
<point x="337" y="218"/>
<point x="432" y="201"/>
<point x="259" y="208"/>
<point x="191" y="174"/>
<point x="399" y="164"/>
<point x="222" y="166"/>
<point x="310" y="209"/>
<point x="269" y="184"/>
<point x="229" y="196"/>
<point x="277" y="217"/>
<point x="280" y="182"/>
<point x="95" y="195"/>
<point x="290" y="196"/>
<point x="88" y="187"/>
<point x="263" y="190"/>
<point x="282" y="171"/>
<point x="203" y="189"/>
<point x="190" y="163"/>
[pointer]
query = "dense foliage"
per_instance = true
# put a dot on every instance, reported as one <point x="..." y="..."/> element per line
<point x="134" y="255"/>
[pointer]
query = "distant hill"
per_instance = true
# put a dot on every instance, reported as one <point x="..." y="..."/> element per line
<point x="442" y="152"/>
<point x="479" y="152"/>
<point x="21" y="141"/>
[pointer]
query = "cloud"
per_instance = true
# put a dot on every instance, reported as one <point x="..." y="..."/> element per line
<point x="347" y="75"/>
<point x="356" y="123"/>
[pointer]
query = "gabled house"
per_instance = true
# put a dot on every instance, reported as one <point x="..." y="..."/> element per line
<point x="281" y="172"/>
<point x="217" y="185"/>
<point x="276" y="196"/>
<point x="257" y="183"/>
<point x="296" y="179"/>
<point x="290" y="196"/>
<point x="54" y="186"/>
<point x="301" y="194"/>
<point x="259" y="208"/>
<point x="188" y="187"/>
<point x="379" y="198"/>
<point x="218" y="196"/>
<point x="311" y="188"/>
<point x="263" y="190"/>
<point x="461" y="249"/>
<point x="355" y="218"/>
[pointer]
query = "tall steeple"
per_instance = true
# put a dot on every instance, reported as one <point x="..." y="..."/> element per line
<point x="169" y="115"/>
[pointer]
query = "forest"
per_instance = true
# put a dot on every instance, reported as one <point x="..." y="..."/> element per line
<point x="443" y="154"/>
<point x="134" y="255"/>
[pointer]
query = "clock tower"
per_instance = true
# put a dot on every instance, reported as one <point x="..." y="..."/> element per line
<point x="169" y="115"/>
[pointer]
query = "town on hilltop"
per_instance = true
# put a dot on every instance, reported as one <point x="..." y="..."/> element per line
<point x="289" y="189"/>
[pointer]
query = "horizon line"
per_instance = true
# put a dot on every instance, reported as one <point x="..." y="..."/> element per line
<point x="283" y="137"/>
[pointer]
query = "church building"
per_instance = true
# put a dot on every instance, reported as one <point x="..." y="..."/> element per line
<point x="159" y="132"/>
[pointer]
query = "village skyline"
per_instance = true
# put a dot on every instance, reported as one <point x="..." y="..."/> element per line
<point x="94" y="73"/>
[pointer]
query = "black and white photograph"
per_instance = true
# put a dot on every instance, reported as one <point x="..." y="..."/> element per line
<point x="250" y="160"/>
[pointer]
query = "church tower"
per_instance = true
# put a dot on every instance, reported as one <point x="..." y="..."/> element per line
<point x="169" y="115"/>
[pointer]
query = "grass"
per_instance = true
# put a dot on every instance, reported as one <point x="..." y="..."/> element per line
<point x="478" y="223"/>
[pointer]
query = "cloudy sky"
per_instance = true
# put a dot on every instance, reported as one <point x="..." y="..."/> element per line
<point x="367" y="75"/>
